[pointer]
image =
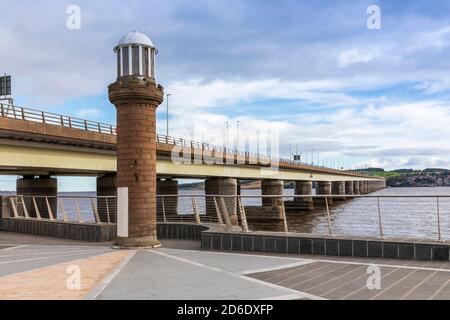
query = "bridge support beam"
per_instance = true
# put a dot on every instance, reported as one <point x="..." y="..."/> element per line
<point x="356" y="190"/>
<point x="338" y="188"/>
<point x="273" y="188"/>
<point x="107" y="208"/>
<point x="361" y="187"/>
<point x="349" y="188"/>
<point x="304" y="188"/>
<point x="221" y="187"/>
<point x="167" y="187"/>
<point x="323" y="188"/>
<point x="46" y="186"/>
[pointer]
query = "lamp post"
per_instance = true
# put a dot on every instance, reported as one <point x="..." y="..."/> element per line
<point x="237" y="135"/>
<point x="167" y="114"/>
<point x="227" y="123"/>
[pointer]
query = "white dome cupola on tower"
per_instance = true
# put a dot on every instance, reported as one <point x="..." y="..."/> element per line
<point x="135" y="56"/>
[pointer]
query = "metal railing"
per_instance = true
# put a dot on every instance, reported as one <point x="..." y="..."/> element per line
<point x="62" y="208"/>
<point x="375" y="212"/>
<point x="21" y="113"/>
<point x="261" y="158"/>
<point x="369" y="215"/>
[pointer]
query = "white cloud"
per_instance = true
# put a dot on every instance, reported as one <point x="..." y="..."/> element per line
<point x="357" y="55"/>
<point x="89" y="113"/>
<point x="221" y="93"/>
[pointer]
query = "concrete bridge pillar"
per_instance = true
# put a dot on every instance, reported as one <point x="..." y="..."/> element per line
<point x="167" y="187"/>
<point x="366" y="187"/>
<point x="323" y="188"/>
<point x="272" y="188"/>
<point x="338" y="188"/>
<point x="39" y="186"/>
<point x="304" y="188"/>
<point x="361" y="187"/>
<point x="221" y="187"/>
<point x="349" y="188"/>
<point x="356" y="190"/>
<point x="107" y="207"/>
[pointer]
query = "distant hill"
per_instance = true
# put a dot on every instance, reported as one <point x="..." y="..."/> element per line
<point x="430" y="177"/>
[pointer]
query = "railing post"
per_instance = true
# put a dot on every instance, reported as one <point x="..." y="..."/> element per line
<point x="194" y="208"/>
<point x="63" y="210"/>
<point x="330" y="229"/>
<point x="111" y="129"/>
<point x="36" y="208"/>
<point x="380" y="222"/>
<point x="85" y="125"/>
<point x="99" y="127"/>
<point x="25" y="211"/>
<point x="43" y="116"/>
<point x="62" y="120"/>
<point x="219" y="215"/>
<point x="13" y="205"/>
<point x="284" y="216"/>
<point x="163" y="209"/>
<point x="23" y="114"/>
<point x="225" y="213"/>
<point x="243" y="215"/>
<point x="95" y="211"/>
<point x="50" y="212"/>
<point x="3" y="111"/>
<point x="77" y="209"/>
<point x="107" y="210"/>
<point x="438" y="220"/>
<point x="70" y="122"/>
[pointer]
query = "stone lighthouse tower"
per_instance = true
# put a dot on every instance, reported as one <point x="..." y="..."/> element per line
<point x="136" y="96"/>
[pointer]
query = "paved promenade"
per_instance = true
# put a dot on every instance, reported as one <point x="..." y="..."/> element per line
<point x="45" y="268"/>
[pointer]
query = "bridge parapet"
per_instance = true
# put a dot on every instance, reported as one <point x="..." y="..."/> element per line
<point x="34" y="125"/>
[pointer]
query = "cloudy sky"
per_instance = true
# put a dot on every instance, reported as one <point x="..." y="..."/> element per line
<point x="308" y="72"/>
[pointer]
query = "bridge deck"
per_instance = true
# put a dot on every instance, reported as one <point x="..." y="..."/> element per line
<point x="77" y="146"/>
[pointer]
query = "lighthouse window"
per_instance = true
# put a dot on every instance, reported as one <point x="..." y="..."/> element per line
<point x="145" y="61"/>
<point x="126" y="67"/>
<point x="135" y="60"/>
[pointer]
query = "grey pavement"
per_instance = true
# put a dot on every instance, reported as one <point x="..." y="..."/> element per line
<point x="190" y="275"/>
<point x="181" y="270"/>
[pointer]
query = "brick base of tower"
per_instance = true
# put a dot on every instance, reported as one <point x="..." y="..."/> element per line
<point x="136" y="100"/>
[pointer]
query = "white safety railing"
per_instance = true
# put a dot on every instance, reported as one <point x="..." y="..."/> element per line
<point x="379" y="216"/>
<point x="62" y="208"/>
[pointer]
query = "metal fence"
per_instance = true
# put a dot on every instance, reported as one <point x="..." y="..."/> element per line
<point x="382" y="216"/>
<point x="63" y="208"/>
<point x="21" y="113"/>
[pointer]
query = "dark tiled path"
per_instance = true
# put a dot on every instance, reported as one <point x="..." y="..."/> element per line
<point x="340" y="280"/>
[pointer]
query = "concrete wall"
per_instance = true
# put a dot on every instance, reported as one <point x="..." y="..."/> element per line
<point x="306" y="244"/>
<point x="60" y="229"/>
